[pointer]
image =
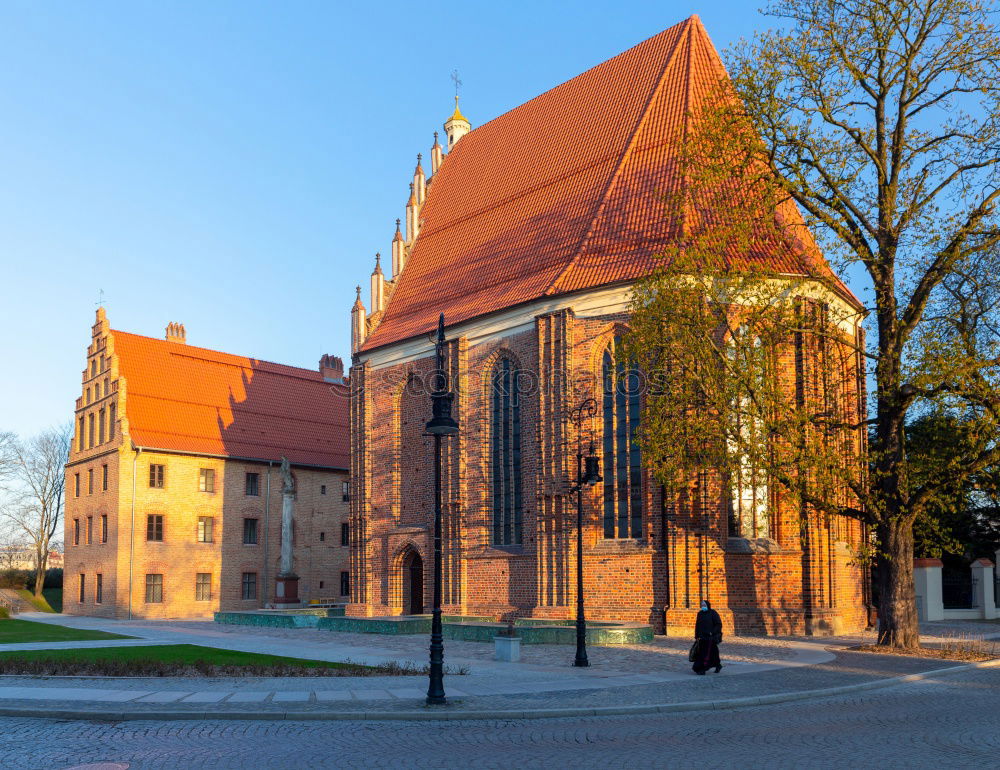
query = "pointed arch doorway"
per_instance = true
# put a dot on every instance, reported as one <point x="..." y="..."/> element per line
<point x="413" y="584"/>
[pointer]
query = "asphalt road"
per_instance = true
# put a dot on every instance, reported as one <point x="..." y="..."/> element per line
<point x="952" y="722"/>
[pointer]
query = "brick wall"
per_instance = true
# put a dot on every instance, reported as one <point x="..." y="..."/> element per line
<point x="803" y="579"/>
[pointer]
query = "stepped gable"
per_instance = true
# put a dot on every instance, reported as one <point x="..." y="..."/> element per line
<point x="565" y="192"/>
<point x="189" y="399"/>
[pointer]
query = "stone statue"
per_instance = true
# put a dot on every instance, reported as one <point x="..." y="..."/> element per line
<point x="288" y="478"/>
<point x="287" y="516"/>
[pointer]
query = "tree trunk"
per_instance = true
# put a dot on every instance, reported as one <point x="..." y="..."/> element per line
<point x="897" y="608"/>
<point x="40" y="567"/>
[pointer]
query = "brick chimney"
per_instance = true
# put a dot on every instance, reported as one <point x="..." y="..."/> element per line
<point x="332" y="368"/>
<point x="176" y="333"/>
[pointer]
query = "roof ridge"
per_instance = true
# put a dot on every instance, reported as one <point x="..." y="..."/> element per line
<point x="688" y="20"/>
<point x="685" y="126"/>
<point x="626" y="153"/>
<point x="184" y="350"/>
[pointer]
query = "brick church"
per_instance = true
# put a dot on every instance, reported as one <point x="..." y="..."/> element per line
<point x="527" y="235"/>
<point x="173" y="490"/>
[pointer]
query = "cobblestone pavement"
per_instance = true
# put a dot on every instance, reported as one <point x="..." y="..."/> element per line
<point x="950" y="722"/>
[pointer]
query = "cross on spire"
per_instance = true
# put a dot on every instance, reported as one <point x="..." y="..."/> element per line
<point x="457" y="81"/>
<point x="100" y="299"/>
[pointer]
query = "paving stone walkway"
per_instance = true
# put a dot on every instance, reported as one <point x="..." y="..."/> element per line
<point x="638" y="676"/>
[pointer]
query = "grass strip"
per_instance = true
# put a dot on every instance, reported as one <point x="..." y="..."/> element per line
<point x="39" y="603"/>
<point x="185" y="660"/>
<point x="13" y="631"/>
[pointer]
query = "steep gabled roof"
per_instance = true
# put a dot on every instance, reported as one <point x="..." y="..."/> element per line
<point x="188" y="399"/>
<point x="561" y="194"/>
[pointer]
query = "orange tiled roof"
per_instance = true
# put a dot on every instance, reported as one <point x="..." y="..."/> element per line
<point x="184" y="398"/>
<point x="561" y="194"/>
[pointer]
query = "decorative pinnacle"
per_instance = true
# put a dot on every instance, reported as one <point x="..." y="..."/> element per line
<point x="440" y="352"/>
<point x="378" y="257"/>
<point x="358" y="290"/>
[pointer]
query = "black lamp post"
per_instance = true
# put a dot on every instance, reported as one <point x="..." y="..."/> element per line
<point x="441" y="424"/>
<point x="587" y="475"/>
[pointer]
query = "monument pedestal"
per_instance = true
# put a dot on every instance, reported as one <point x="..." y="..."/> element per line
<point x="286" y="589"/>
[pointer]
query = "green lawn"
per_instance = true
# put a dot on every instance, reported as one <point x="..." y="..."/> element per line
<point x="17" y="631"/>
<point x="179" y="660"/>
<point x="184" y="654"/>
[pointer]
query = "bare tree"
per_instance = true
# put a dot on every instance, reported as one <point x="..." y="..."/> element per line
<point x="7" y="443"/>
<point x="36" y="506"/>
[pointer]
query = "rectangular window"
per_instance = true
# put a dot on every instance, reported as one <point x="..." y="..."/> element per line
<point x="154" y="589"/>
<point x="249" y="585"/>
<point x="90" y="481"/>
<point x="345" y="533"/>
<point x="322" y="489"/>
<point x="154" y="528"/>
<point x="79" y="438"/>
<point x="83" y="588"/>
<point x="99" y="591"/>
<point x="205" y="527"/>
<point x="90" y="530"/>
<point x="76" y="484"/>
<point x="322" y="537"/>
<point x="104" y="478"/>
<point x="104" y="528"/>
<point x="156" y="476"/>
<point x="345" y="491"/>
<point x="76" y="532"/>
<point x="203" y="587"/>
<point x="345" y="583"/>
<point x="111" y="421"/>
<point x="249" y="531"/>
<point x="100" y="426"/>
<point x="206" y="480"/>
<point x="90" y="430"/>
<point x="253" y="484"/>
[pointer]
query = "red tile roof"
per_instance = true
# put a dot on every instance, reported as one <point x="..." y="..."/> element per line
<point x="561" y="194"/>
<point x="188" y="399"/>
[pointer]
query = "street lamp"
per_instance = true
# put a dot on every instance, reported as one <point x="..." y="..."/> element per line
<point x="440" y="425"/>
<point x="587" y="475"/>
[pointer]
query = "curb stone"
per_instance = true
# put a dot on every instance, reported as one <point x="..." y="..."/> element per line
<point x="483" y="714"/>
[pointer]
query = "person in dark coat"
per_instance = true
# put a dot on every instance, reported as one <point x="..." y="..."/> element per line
<point x="708" y="633"/>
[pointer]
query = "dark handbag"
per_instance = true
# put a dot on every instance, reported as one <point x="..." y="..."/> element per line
<point x="693" y="654"/>
<point x="717" y="637"/>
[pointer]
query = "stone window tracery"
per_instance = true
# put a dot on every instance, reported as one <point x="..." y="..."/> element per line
<point x="747" y="499"/>
<point x="505" y="453"/>
<point x="622" y="469"/>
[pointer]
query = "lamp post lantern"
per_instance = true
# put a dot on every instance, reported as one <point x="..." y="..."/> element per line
<point x="440" y="425"/>
<point x="587" y="475"/>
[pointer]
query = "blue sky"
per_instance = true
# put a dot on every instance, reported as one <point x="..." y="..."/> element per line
<point x="235" y="165"/>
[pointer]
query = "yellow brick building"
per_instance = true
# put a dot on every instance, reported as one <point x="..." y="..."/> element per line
<point x="173" y="485"/>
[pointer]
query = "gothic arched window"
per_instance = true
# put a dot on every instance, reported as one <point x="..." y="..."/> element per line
<point x="622" y="458"/>
<point x="505" y="453"/>
<point x="747" y="501"/>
